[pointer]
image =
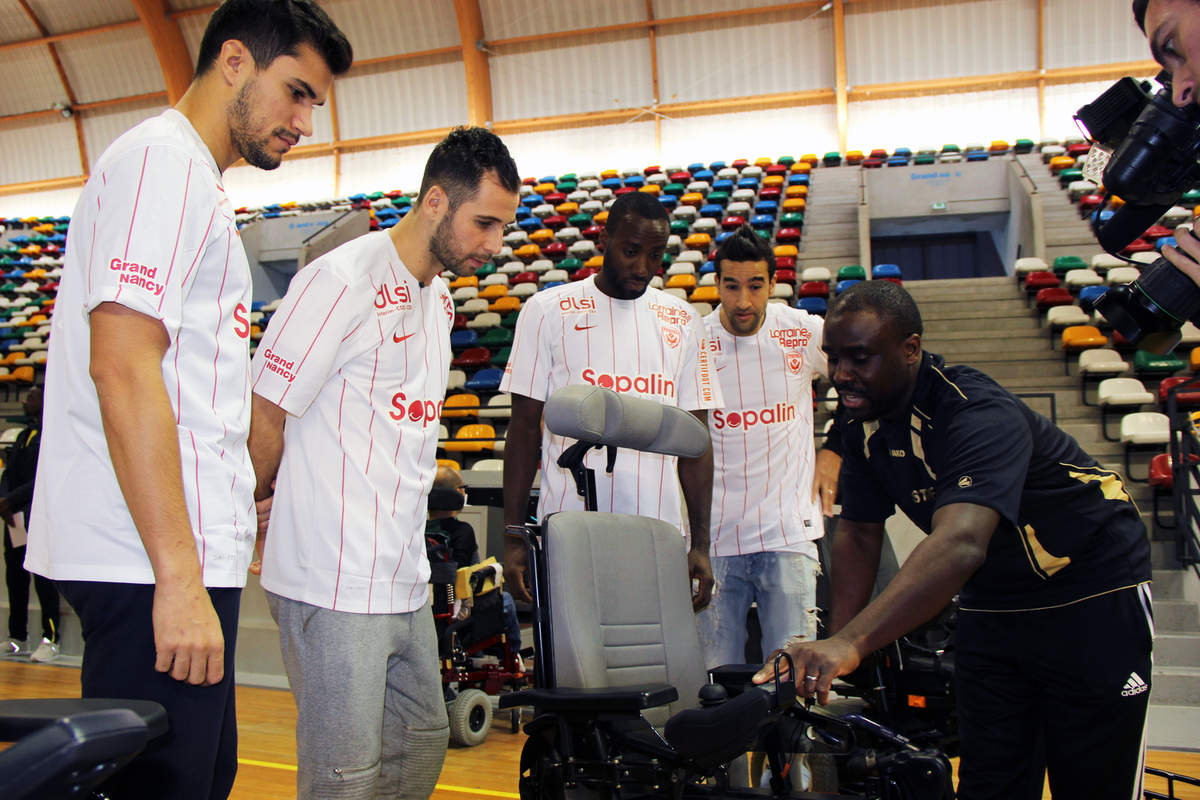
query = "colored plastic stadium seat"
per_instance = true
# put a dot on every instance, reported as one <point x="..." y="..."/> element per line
<point x="813" y="305"/>
<point x="1052" y="296"/>
<point x="1036" y="281"/>
<point x="786" y="251"/>
<point x="885" y="271"/>
<point x="471" y="438"/>
<point x="851" y="272"/>
<point x="472" y="357"/>
<point x="1152" y="364"/>
<point x="461" y="405"/>
<point x="813" y="289"/>
<point x="1098" y="365"/>
<point x="485" y="380"/>
<point x="1143" y="430"/>
<point x="1185" y="399"/>
<point x="843" y="285"/>
<point x="704" y="294"/>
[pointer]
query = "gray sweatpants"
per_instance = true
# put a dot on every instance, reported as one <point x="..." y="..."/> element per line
<point x="371" y="719"/>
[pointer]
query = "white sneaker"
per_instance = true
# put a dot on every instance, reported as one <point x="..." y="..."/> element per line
<point x="46" y="651"/>
<point x="14" y="648"/>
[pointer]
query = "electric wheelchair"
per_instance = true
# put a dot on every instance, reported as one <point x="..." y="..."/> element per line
<point x="618" y="656"/>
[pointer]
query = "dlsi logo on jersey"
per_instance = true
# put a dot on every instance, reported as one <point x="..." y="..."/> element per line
<point x="393" y="298"/>
<point x="576" y="305"/>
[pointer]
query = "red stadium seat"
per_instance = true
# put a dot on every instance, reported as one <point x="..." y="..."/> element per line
<point x="1053" y="296"/>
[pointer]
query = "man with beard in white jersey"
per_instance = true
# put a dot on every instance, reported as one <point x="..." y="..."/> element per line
<point x="766" y="516"/>
<point x="611" y="330"/>
<point x="348" y="385"/>
<point x="143" y="511"/>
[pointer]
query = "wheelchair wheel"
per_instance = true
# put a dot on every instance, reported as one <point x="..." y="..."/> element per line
<point x="470" y="717"/>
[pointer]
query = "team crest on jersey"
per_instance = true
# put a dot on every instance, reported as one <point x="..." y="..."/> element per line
<point x="795" y="361"/>
<point x="672" y="337"/>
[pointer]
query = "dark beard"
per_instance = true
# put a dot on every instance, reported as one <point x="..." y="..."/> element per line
<point x="442" y="250"/>
<point x="253" y="150"/>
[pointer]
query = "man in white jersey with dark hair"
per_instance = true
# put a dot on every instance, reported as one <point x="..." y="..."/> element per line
<point x="611" y="330"/>
<point x="143" y="510"/>
<point x="766" y="516"/>
<point x="348" y="385"/>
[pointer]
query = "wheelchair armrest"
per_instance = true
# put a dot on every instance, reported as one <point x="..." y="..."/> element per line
<point x="735" y="678"/>
<point x="21" y="717"/>
<point x="626" y="699"/>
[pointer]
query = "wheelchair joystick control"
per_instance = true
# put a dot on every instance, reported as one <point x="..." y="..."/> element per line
<point x="712" y="694"/>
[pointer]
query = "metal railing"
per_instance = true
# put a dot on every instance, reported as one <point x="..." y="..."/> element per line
<point x="1185" y="474"/>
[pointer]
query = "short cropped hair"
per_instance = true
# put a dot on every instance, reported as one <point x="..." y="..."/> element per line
<point x="887" y="300"/>
<point x="458" y="162"/>
<point x="745" y="245"/>
<point x="274" y="28"/>
<point x="634" y="204"/>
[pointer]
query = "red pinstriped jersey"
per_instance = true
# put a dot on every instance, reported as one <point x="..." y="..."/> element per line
<point x="763" y="454"/>
<point x="153" y="231"/>
<point x="652" y="347"/>
<point x="358" y="354"/>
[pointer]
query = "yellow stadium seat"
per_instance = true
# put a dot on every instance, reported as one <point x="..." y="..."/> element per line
<point x="493" y="292"/>
<point x="1194" y="359"/>
<point x="698" y="241"/>
<point x="464" y="280"/>
<point x="1082" y="337"/>
<point x="528" y="252"/>
<point x="461" y="405"/>
<point x="505" y="304"/>
<point x="610" y="173"/>
<point x="471" y="439"/>
<point x="600" y="218"/>
<point x="694" y="199"/>
<point x="786" y="251"/>
<point x="795" y="191"/>
<point x="544" y="188"/>
<point x="651" y="188"/>
<point x="808" y="158"/>
<point x="684" y="282"/>
<point x="704" y="294"/>
<point x="595" y="262"/>
<point x="567" y="209"/>
<point x="542" y="236"/>
<point x="802" y="167"/>
<point x="449" y="462"/>
<point x="794" y="204"/>
<point x="1059" y="163"/>
<point x="763" y="162"/>
<point x="773" y="180"/>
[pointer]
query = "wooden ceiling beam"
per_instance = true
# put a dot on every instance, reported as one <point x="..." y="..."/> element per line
<point x="169" y="46"/>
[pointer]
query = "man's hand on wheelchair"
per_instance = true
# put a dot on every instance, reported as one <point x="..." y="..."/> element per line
<point x="700" y="571"/>
<point x="817" y="664"/>
<point x="516" y="562"/>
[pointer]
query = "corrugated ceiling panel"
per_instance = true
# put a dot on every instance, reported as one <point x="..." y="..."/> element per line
<point x="38" y="149"/>
<point x="296" y="179"/>
<point x="192" y="29"/>
<point x="583" y="150"/>
<point x="129" y="65"/>
<point x="589" y="74"/>
<point x="36" y="85"/>
<point x="17" y="25"/>
<point x="374" y="101"/>
<point x="398" y="26"/>
<point x="322" y="126"/>
<point x="788" y="56"/>
<point x="752" y="134"/>
<point x="60" y="16"/>
<point x="396" y="168"/>
<point x="57" y="203"/>
<point x="683" y="8"/>
<point x="102" y="126"/>
<point x="503" y="19"/>
<point x="898" y="40"/>
<point x="961" y="119"/>
<point x="1096" y="32"/>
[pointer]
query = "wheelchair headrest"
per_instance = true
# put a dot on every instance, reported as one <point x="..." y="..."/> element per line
<point x="601" y="416"/>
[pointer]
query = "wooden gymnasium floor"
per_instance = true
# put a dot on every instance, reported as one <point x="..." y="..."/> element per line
<point x="267" y="747"/>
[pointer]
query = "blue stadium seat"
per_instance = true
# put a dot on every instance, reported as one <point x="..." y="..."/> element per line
<point x="797" y="180"/>
<point x="813" y="305"/>
<point x="531" y="200"/>
<point x="530" y="224"/>
<point x="844" y="285"/>
<point x="722" y="236"/>
<point x="635" y="181"/>
<point x="897" y="161"/>
<point x="485" y="380"/>
<point x="977" y="155"/>
<point x="1088" y="296"/>
<point x="611" y="183"/>
<point x="723" y="185"/>
<point x="707" y="267"/>
<point x="694" y="168"/>
<point x="550" y="285"/>
<point x="763" y="222"/>
<point x="717" y="166"/>
<point x="524" y="212"/>
<point x="712" y="210"/>
<point x="885" y="271"/>
<point x="706" y="175"/>
<point x="669" y="201"/>
<point x="463" y="338"/>
<point x="1165" y="241"/>
<point x="767" y="207"/>
<point x="747" y="183"/>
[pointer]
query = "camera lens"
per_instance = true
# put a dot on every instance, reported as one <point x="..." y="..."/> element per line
<point x="1150" y="311"/>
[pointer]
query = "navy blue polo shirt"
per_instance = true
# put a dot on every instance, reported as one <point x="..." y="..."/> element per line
<point x="1068" y="529"/>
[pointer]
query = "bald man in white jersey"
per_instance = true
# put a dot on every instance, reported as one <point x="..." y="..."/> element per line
<point x="348" y="385"/>
<point x="143" y="510"/>
<point x="766" y="515"/>
<point x="611" y="330"/>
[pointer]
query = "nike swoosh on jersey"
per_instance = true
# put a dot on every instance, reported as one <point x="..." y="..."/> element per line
<point x="399" y="339"/>
<point x="579" y="327"/>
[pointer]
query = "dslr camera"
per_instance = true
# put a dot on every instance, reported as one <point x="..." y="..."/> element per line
<point x="1147" y="151"/>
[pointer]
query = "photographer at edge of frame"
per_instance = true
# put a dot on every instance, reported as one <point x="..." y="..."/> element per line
<point x="1172" y="28"/>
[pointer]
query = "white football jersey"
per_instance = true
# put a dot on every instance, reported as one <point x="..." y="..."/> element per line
<point x="652" y="347"/>
<point x="154" y="232"/>
<point x="358" y="354"/>
<point x="763" y="453"/>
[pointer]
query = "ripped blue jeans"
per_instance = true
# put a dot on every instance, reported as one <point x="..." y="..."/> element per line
<point x="784" y="585"/>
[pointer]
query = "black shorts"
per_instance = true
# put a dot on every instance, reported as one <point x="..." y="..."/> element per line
<point x="1063" y="691"/>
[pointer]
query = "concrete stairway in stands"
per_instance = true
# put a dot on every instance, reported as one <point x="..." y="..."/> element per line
<point x="831" y="222"/>
<point x="989" y="324"/>
<point x="1066" y="233"/>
